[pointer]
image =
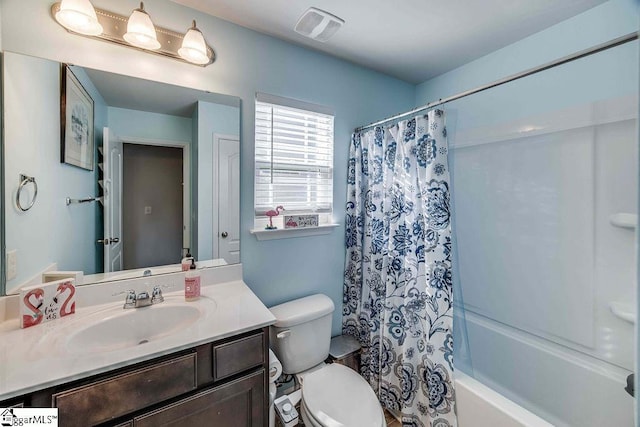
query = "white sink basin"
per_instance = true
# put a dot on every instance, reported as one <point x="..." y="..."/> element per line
<point x="117" y="328"/>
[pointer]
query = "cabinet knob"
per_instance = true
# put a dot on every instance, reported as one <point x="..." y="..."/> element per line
<point x="224" y="234"/>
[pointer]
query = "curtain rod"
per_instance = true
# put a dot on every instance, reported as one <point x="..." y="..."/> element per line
<point x="569" y="58"/>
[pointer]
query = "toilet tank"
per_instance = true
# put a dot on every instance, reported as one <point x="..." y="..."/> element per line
<point x="301" y="336"/>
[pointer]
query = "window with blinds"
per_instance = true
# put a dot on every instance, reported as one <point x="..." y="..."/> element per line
<point x="293" y="159"/>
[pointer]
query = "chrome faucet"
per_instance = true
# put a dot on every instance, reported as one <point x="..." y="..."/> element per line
<point x="143" y="299"/>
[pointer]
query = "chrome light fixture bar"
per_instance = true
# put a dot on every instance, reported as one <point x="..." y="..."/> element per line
<point x="115" y="29"/>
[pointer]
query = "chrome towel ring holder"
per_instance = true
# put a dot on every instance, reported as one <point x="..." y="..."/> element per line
<point x="24" y="180"/>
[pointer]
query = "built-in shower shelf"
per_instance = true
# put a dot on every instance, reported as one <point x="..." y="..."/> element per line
<point x="624" y="310"/>
<point x="624" y="220"/>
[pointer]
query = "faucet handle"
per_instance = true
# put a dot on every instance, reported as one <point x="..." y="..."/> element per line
<point x="156" y="294"/>
<point x="130" y="299"/>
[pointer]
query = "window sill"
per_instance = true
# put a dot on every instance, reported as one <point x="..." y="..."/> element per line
<point x="286" y="233"/>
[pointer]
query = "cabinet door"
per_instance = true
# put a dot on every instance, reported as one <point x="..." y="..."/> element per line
<point x="240" y="403"/>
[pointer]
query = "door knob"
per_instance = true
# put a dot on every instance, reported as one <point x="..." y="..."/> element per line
<point x="224" y="234"/>
<point x="103" y="241"/>
<point x="115" y="240"/>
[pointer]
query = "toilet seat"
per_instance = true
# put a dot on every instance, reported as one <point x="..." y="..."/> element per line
<point x="337" y="396"/>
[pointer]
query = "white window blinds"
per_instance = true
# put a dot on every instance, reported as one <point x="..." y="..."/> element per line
<point x="294" y="159"/>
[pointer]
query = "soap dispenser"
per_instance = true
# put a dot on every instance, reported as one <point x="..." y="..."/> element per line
<point x="186" y="261"/>
<point x="192" y="283"/>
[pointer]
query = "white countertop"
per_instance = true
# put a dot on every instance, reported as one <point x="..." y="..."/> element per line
<point x="35" y="358"/>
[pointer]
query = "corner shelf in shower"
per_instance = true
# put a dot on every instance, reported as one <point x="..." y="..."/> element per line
<point x="624" y="310"/>
<point x="624" y="220"/>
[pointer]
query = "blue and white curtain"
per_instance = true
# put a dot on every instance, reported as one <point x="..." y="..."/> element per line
<point x="398" y="299"/>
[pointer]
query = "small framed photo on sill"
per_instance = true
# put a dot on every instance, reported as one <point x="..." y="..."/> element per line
<point x="76" y="122"/>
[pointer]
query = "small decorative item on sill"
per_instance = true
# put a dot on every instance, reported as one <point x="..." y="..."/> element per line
<point x="271" y="214"/>
<point x="300" y="221"/>
<point x="50" y="301"/>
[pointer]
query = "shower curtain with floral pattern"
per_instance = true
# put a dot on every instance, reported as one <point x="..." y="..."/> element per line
<point x="398" y="299"/>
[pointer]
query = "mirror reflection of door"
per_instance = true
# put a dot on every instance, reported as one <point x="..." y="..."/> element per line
<point x="229" y="197"/>
<point x="112" y="182"/>
<point x="152" y="191"/>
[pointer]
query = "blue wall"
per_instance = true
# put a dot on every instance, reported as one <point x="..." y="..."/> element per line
<point x="146" y="125"/>
<point x="33" y="86"/>
<point x="583" y="82"/>
<point x="246" y="62"/>
<point x="600" y="24"/>
<point x="101" y="119"/>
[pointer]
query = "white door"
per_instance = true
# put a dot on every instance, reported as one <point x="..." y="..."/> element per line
<point x="229" y="199"/>
<point x="112" y="169"/>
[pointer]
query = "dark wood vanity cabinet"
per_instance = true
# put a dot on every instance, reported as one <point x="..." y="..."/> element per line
<point x="232" y="404"/>
<point x="222" y="383"/>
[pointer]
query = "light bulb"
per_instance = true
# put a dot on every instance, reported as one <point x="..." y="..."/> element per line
<point x="194" y="48"/>
<point x="79" y="16"/>
<point x="140" y="30"/>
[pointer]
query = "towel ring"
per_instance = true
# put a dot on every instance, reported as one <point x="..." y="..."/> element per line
<point x="24" y="180"/>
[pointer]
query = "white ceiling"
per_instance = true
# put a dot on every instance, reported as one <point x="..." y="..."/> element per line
<point x="413" y="40"/>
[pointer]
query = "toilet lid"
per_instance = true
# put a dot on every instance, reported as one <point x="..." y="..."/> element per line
<point x="337" y="396"/>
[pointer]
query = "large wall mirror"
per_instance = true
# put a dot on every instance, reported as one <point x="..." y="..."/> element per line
<point x="159" y="173"/>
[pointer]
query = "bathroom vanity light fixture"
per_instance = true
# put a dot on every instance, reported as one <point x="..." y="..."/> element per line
<point x="140" y="30"/>
<point x="135" y="31"/>
<point x="78" y="16"/>
<point x="194" y="48"/>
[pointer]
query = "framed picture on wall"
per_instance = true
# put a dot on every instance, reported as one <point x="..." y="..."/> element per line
<point x="76" y="122"/>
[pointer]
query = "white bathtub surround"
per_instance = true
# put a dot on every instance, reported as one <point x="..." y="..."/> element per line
<point x="39" y="356"/>
<point x="556" y="383"/>
<point x="398" y="274"/>
<point x="540" y="192"/>
<point x="479" y="406"/>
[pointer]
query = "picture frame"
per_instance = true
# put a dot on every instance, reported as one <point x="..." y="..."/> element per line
<point x="76" y="122"/>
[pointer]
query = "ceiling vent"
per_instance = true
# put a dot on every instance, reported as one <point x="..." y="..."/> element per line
<point x="318" y="24"/>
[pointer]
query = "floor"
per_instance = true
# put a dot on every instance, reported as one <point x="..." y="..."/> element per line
<point x="391" y="421"/>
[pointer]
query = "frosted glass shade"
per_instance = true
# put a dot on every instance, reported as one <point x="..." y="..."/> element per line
<point x="79" y="16"/>
<point x="140" y="30"/>
<point x="194" y="48"/>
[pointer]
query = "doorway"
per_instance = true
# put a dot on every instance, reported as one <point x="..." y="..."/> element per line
<point x="152" y="202"/>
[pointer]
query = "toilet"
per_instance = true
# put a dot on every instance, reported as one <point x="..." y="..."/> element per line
<point x="332" y="394"/>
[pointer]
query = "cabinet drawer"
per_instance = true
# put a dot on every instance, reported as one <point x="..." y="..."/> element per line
<point x="128" y="392"/>
<point x="236" y="356"/>
<point x="239" y="403"/>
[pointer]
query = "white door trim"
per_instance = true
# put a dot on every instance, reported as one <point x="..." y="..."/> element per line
<point x="186" y="177"/>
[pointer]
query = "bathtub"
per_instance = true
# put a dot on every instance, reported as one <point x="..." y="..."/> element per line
<point x="479" y="406"/>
